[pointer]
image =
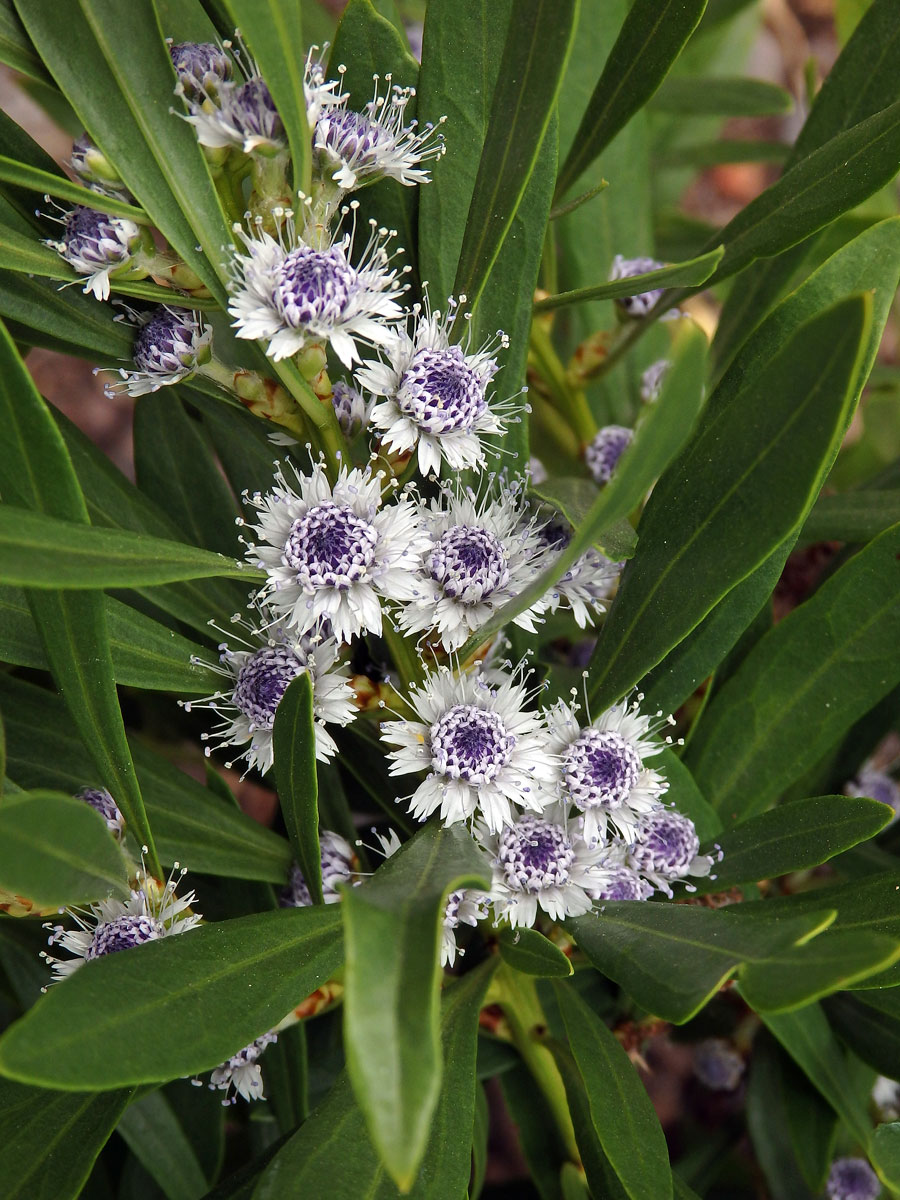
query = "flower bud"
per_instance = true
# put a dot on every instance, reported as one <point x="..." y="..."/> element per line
<point x="200" y="66"/>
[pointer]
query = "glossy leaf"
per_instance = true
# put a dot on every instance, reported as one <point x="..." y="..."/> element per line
<point x="21" y="252"/>
<point x="528" y="951"/>
<point x="16" y="49"/>
<point x="391" y="1016"/>
<point x="64" y="317"/>
<point x="622" y="1113"/>
<point x="686" y="274"/>
<point x="214" y="989"/>
<point x="852" y="516"/>
<point x="719" y="97"/>
<point x="52" y="184"/>
<point x="649" y="41"/>
<point x="803" y="684"/>
<point x="884" y="1153"/>
<point x="768" y="447"/>
<point x="294" y="739"/>
<point x="57" y="851"/>
<point x="794" y="837"/>
<point x="153" y="1134"/>
<point x="671" y="958"/>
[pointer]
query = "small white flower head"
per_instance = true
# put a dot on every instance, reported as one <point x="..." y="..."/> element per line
<point x="604" y="452"/>
<point x="241" y="1074"/>
<point x="886" y="1098"/>
<point x="541" y="861"/>
<point x="338" y="866"/>
<point x="484" y="753"/>
<point x="257" y="678"/>
<point x="98" y="246"/>
<point x="852" y="1179"/>
<point x="95" y="170"/>
<point x="536" y="472"/>
<point x="227" y="111"/>
<point x="876" y="785"/>
<point x="102" y="802"/>
<point x="152" y="911"/>
<point x="352" y="409"/>
<point x="619" y="880"/>
<point x="718" y="1065"/>
<point x="652" y="380"/>
<point x="293" y="294"/>
<point x="603" y="771"/>
<point x="624" y="268"/>
<point x="333" y="552"/>
<point x="587" y="584"/>
<point x="666" y="849"/>
<point x="201" y="67"/>
<point x="480" y="554"/>
<point x="464" y="907"/>
<point x="170" y="345"/>
<point x="356" y="148"/>
<point x="434" y="394"/>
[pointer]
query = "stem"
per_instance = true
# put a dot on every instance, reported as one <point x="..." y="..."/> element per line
<point x="570" y="401"/>
<point x="263" y="397"/>
<point x="403" y="651"/>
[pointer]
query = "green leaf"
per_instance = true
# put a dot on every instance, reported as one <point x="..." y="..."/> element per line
<point x="62" y="317"/>
<point x="49" y="1140"/>
<point x="803" y="685"/>
<point x="574" y="498"/>
<point x="16" y="49"/>
<point x="295" y="777"/>
<point x="391" y="1011"/>
<point x="687" y="797"/>
<point x="794" y="837"/>
<point x="765" y="449"/>
<point x="710" y="95"/>
<point x="623" y="1115"/>
<point x="869" y="1023"/>
<point x="852" y="516"/>
<point x="153" y="1134"/>
<point x="21" y="252"/>
<point x="331" y="1154"/>
<point x="652" y="37"/>
<point x="884" y="1153"/>
<point x="528" y="951"/>
<point x="38" y="551"/>
<point x="57" y="851"/>
<point x="52" y="184"/>
<point x="693" y="272"/>
<point x="274" y="32"/>
<point x="173" y="1007"/>
<point x="701" y="155"/>
<point x="531" y="69"/>
<point x="672" y="958"/>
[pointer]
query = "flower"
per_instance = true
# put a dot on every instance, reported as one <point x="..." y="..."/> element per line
<point x="361" y="147"/>
<point x="479" y="555"/>
<point x="464" y="907"/>
<point x="652" y="380"/>
<point x="338" y="864"/>
<point x="604" y="452"/>
<point x="541" y="861"/>
<point x="886" y="1098"/>
<point x="852" y="1179"/>
<point x="483" y="752"/>
<point x="95" y="170"/>
<point x="259" y="676"/>
<point x="876" y="785"/>
<point x="102" y="802"/>
<point x="351" y="408"/>
<point x="718" y="1065"/>
<point x="171" y="344"/>
<point x="293" y="294"/>
<point x="434" y="394"/>
<point x="151" y="912"/>
<point x="603" y="771"/>
<point x="201" y="67"/>
<point x="587" y="583"/>
<point x="226" y="112"/>
<point x="666" y="849"/>
<point x="536" y="472"/>
<point x="99" y="246"/>
<point x="620" y="881"/>
<point x="641" y="303"/>
<point x="329" y="551"/>
<point x="242" y="1073"/>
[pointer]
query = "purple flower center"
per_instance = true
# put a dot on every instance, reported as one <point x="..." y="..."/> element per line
<point x="441" y="393"/>
<point x="351" y="134"/>
<point x="470" y="743"/>
<point x="94" y="240"/>
<point x="624" y="884"/>
<point x="330" y="546"/>
<point x="852" y="1179"/>
<point x="314" y="287"/>
<point x="605" y="450"/>
<point x="253" y="111"/>
<point x="469" y="563"/>
<point x="262" y="681"/>
<point x="102" y="802"/>
<point x="667" y="843"/>
<point x="122" y="934"/>
<point x="535" y="854"/>
<point x="601" y="767"/>
<point x="165" y="343"/>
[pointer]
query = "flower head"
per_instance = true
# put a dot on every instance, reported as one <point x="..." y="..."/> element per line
<point x="201" y="67"/>
<point x="333" y="552"/>
<point x="241" y="1075"/>
<point x="587" y="584"/>
<point x="102" y="802"/>
<point x="98" y="246"/>
<point x="294" y="294"/>
<point x="464" y="907"/>
<point x="604" y="452"/>
<point x="652" y="380"/>
<point x="224" y="111"/>
<point x="170" y="345"/>
<point x="620" y="881"/>
<point x="338" y="865"/>
<point x="876" y="785"/>
<point x="152" y="911"/>
<point x="666" y="849"/>
<point x="718" y="1065"/>
<point x="852" y="1179"/>
<point x="641" y="303"/>
<point x="483" y="752"/>
<point x="95" y="170"/>
<point x="434" y="395"/>
<point x="351" y="408"/>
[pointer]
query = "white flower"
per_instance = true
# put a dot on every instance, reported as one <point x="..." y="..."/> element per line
<point x="541" y="862"/>
<point x="360" y="147"/>
<point x="587" y="584"/>
<point x="171" y="344"/>
<point x="102" y="802"/>
<point x="604" y="452"/>
<point x="242" y="1073"/>
<point x="152" y="911"/>
<point x="98" y="246"/>
<point x="352" y="409"/>
<point x="223" y="111"/>
<point x="620" y="881"/>
<point x="641" y="303"/>
<point x="483" y="752"/>
<point x="293" y="294"/>
<point x="259" y="676"/>
<point x="603" y="772"/>
<point x="666" y="849"/>
<point x="338" y="866"/>
<point x="320" y="94"/>
<point x="480" y="555"/>
<point x="464" y="907"/>
<point x="330" y="553"/>
<point x="435" y="395"/>
<point x="652" y="380"/>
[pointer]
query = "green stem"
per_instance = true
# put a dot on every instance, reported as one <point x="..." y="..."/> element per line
<point x="403" y="651"/>
<point x="571" y="402"/>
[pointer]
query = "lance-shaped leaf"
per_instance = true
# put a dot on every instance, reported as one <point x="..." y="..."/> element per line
<point x="530" y="952"/>
<point x="294" y="737"/>
<point x="531" y="70"/>
<point x="50" y="184"/>
<point x="155" y="1137"/>
<point x="852" y="516"/>
<point x="693" y="272"/>
<point x="622" y="1113"/>
<point x="884" y="1153"/>
<point x="803" y="684"/>
<point x="175" y="1006"/>
<point x="391" y="1012"/>
<point x="57" y="851"/>
<point x="711" y="95"/>
<point x="869" y="1022"/>
<point x="766" y="450"/>
<point x="650" y="40"/>
<point x="67" y="319"/>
